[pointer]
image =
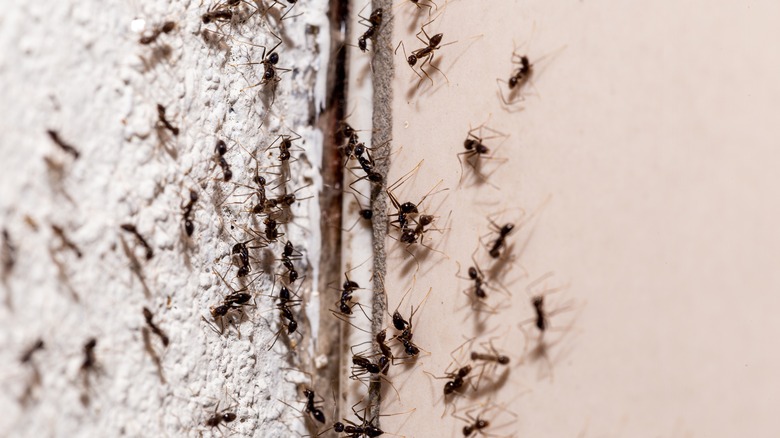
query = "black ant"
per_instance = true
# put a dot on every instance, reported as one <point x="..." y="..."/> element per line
<point x="427" y="5"/>
<point x="241" y="250"/>
<point x="345" y="303"/>
<point x="407" y="329"/>
<point x="8" y="255"/>
<point x="410" y="235"/>
<point x="269" y="59"/>
<point x="476" y="425"/>
<point x="236" y="300"/>
<point x="272" y="229"/>
<point x="55" y="137"/>
<point x="387" y="353"/>
<point x="363" y="213"/>
<point x="189" y="227"/>
<point x="166" y="27"/>
<point x="130" y="228"/>
<point x="518" y="79"/>
<point x="374" y="21"/>
<point x="156" y="330"/>
<point x="498" y="244"/>
<point x="222" y="12"/>
<point x="162" y="120"/>
<point x="284" y="305"/>
<point x="426" y="52"/>
<point x="89" y="362"/>
<point x="353" y="430"/>
<point x="219" y="417"/>
<point x="288" y="255"/>
<point x="277" y="2"/>
<point x="311" y="406"/>
<point x="221" y="150"/>
<point x="285" y="144"/>
<point x="541" y="318"/>
<point x="476" y="150"/>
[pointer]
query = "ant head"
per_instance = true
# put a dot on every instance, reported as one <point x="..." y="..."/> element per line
<point x="411" y="349"/>
<point x="381" y="336"/>
<point x="449" y="388"/>
<point x="347" y="130"/>
<point x="373" y="431"/>
<point x="189" y="227"/>
<point x="288" y="249"/>
<point x="228" y="417"/>
<point x="411" y="60"/>
<point x="360" y="148"/>
<point x="193" y="196"/>
<point x="375" y="177"/>
<point x="473" y="273"/>
<point x="317" y="414"/>
<point x="260" y="180"/>
<point x="470" y="144"/>
<point x="506" y="229"/>
<point x="525" y="63"/>
<point x="468" y="430"/>
<point x="350" y="285"/>
<point x="481" y="424"/>
<point x="436" y="39"/>
<point x="338" y="427"/>
<point x="292" y="326"/>
<point x="366" y="214"/>
<point x="273" y="58"/>
<point x="221" y="147"/>
<point x="538" y="302"/>
<point x="512" y="82"/>
<point x="362" y="44"/>
<point x="425" y="220"/>
<point x="376" y="16"/>
<point x="308" y="393"/>
<point x="408" y="207"/>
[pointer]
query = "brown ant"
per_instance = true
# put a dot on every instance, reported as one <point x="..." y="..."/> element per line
<point x="189" y="227"/>
<point x="8" y="255"/>
<point x="28" y="354"/>
<point x="55" y="137"/>
<point x="156" y="330"/>
<point x="374" y="22"/>
<point x="66" y="242"/>
<point x="130" y="228"/>
<point x="221" y="150"/>
<point x="166" y="27"/>
<point x="162" y="120"/>
<point x="426" y="53"/>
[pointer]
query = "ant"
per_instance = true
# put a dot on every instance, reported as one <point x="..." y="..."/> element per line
<point x="285" y="145"/>
<point x="66" y="242"/>
<point x="8" y="255"/>
<point x="476" y="425"/>
<point x="427" y="5"/>
<point x="387" y="353"/>
<point x="311" y="406"/>
<point x="161" y="116"/>
<point x="269" y="59"/>
<point x="288" y="255"/>
<point x="410" y="235"/>
<point x="272" y="229"/>
<point x="189" y="227"/>
<point x="222" y="12"/>
<point x="166" y="27"/>
<point x="221" y="150"/>
<point x="363" y="213"/>
<point x="518" y="79"/>
<point x="426" y="52"/>
<point x="353" y="430"/>
<point x="277" y="2"/>
<point x="156" y="330"/>
<point x="55" y="137"/>
<point x="130" y="228"/>
<point x="241" y="250"/>
<point x="406" y="328"/>
<point x="90" y="364"/>
<point x="345" y="303"/>
<point x="235" y="300"/>
<point x="284" y="305"/>
<point x="28" y="354"/>
<point x="476" y="150"/>
<point x="220" y="417"/>
<point x="374" y="21"/>
<point x="499" y="243"/>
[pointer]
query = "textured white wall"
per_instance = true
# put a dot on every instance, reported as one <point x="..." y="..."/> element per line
<point x="78" y="68"/>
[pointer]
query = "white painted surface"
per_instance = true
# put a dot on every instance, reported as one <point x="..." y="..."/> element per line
<point x="77" y="67"/>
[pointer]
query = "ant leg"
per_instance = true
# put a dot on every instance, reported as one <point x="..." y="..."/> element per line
<point x="430" y="62"/>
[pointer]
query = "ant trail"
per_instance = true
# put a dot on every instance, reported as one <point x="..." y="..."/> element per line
<point x="383" y="72"/>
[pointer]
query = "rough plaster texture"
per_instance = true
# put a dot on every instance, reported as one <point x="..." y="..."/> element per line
<point x="78" y="68"/>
